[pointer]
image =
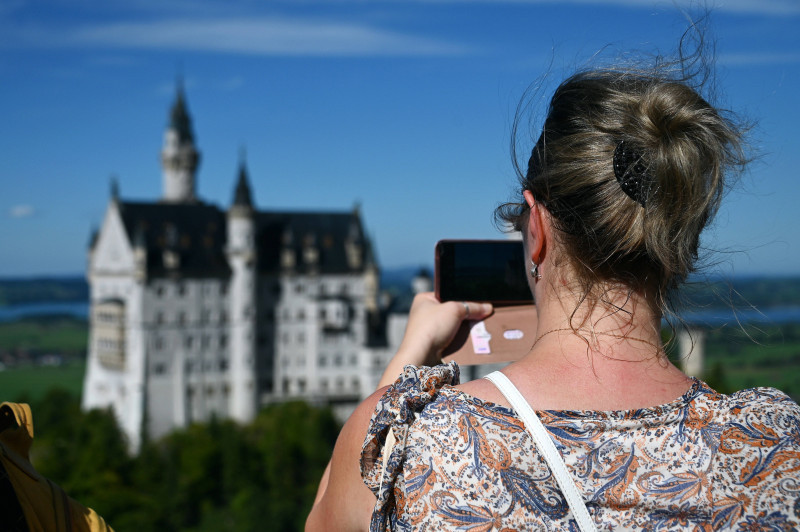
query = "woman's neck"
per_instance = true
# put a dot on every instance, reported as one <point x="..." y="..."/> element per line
<point x="613" y="312"/>
<point x="608" y="349"/>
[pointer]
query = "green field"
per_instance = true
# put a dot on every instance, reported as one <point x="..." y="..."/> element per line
<point x="23" y="342"/>
<point x="756" y="356"/>
<point x="31" y="383"/>
<point x="46" y="334"/>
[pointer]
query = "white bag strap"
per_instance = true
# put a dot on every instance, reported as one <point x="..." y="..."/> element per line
<point x="547" y="448"/>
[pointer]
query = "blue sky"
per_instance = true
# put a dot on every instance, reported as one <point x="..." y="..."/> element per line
<point x="405" y="107"/>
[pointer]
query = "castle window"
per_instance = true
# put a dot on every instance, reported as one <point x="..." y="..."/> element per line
<point x="159" y="368"/>
<point x="109" y="320"/>
<point x="301" y="385"/>
<point x="181" y="289"/>
<point x="355" y="385"/>
<point x="337" y="360"/>
<point x="323" y="361"/>
<point x="301" y="315"/>
<point x="223" y="364"/>
<point x="187" y="341"/>
<point x="298" y="288"/>
<point x="301" y="337"/>
<point x="223" y="340"/>
<point x="181" y="318"/>
<point x="160" y="290"/>
<point x="353" y="359"/>
<point x="323" y="385"/>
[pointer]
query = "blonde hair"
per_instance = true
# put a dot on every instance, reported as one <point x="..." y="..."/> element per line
<point x="687" y="147"/>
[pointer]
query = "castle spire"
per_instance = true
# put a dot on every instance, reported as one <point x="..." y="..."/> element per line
<point x="179" y="119"/>
<point x="242" y="196"/>
<point x="179" y="157"/>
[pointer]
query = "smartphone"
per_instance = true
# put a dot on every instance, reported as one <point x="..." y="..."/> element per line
<point x="493" y="271"/>
<point x="481" y="270"/>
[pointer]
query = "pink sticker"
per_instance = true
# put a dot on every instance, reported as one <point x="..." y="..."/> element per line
<point x="480" y="338"/>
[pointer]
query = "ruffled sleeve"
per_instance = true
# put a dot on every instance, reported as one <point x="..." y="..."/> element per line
<point x="384" y="447"/>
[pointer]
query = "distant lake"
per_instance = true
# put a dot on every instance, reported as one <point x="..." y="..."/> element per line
<point x="710" y="317"/>
<point x="77" y="309"/>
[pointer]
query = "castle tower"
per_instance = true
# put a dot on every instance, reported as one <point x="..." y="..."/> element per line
<point x="179" y="157"/>
<point x="241" y="253"/>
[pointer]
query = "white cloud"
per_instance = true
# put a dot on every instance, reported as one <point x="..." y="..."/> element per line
<point x="21" y="211"/>
<point x="260" y="36"/>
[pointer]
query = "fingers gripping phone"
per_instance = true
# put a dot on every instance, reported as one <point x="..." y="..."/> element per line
<point x="493" y="271"/>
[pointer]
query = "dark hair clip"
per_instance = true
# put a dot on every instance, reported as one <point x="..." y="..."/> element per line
<point x="631" y="172"/>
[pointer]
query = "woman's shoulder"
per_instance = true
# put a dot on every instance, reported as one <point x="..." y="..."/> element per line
<point x="758" y="450"/>
<point x="751" y="416"/>
<point x="395" y="410"/>
<point x="770" y="405"/>
<point x="402" y="402"/>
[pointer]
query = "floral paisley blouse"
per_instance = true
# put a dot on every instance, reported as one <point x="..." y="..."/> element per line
<point x="705" y="461"/>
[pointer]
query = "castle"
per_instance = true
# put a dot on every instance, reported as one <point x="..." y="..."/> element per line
<point x="199" y="311"/>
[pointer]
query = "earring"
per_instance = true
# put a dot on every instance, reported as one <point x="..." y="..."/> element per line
<point x="535" y="271"/>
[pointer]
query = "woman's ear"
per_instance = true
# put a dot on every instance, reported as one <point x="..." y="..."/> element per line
<point x="535" y="228"/>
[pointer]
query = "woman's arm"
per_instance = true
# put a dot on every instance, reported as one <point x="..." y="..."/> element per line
<point x="431" y="327"/>
<point x="343" y="501"/>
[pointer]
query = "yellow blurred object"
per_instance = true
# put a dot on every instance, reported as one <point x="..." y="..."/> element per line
<point x="44" y="504"/>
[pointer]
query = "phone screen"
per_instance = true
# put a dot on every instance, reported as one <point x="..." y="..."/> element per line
<point x="481" y="270"/>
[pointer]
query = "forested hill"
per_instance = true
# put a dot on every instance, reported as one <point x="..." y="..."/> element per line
<point x="761" y="292"/>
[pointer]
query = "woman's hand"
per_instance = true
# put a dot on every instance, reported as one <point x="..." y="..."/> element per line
<point x="431" y="327"/>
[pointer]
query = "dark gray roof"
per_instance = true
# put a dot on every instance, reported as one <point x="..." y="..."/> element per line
<point x="328" y="232"/>
<point x="197" y="234"/>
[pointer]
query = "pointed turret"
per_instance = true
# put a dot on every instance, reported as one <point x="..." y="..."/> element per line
<point x="242" y="196"/>
<point x="179" y="157"/>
